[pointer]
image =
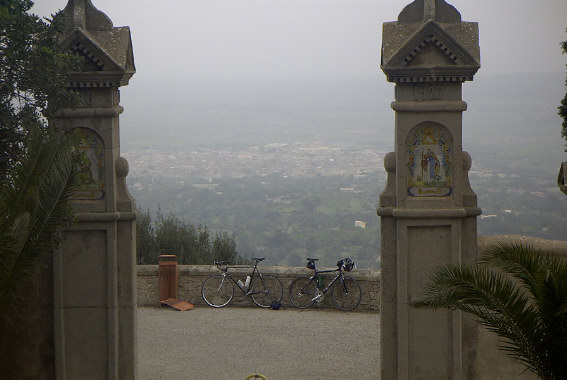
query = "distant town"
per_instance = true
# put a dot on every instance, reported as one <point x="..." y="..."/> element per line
<point x="293" y="160"/>
<point x="288" y="160"/>
<point x="501" y="190"/>
<point x="292" y="198"/>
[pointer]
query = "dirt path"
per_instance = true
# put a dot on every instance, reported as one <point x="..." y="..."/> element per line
<point x="234" y="342"/>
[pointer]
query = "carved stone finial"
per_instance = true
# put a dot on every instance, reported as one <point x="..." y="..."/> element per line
<point x="83" y="14"/>
<point x="424" y="10"/>
<point x="429" y="10"/>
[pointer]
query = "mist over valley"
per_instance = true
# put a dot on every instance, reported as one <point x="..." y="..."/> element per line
<point x="294" y="167"/>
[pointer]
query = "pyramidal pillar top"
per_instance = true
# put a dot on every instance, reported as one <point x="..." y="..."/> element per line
<point x="428" y="210"/>
<point x="106" y="49"/>
<point x="430" y="43"/>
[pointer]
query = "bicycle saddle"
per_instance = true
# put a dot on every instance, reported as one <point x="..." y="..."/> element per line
<point x="312" y="259"/>
<point x="259" y="258"/>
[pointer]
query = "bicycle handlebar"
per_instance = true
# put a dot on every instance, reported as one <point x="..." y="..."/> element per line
<point x="341" y="267"/>
<point x="220" y="263"/>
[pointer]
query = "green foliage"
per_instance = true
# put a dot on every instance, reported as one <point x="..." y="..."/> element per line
<point x="33" y="72"/>
<point x="34" y="207"/>
<point x="37" y="164"/>
<point x="274" y="216"/>
<point x="284" y="219"/>
<point x="562" y="109"/>
<point x="192" y="245"/>
<point x="146" y="244"/>
<point x="517" y="293"/>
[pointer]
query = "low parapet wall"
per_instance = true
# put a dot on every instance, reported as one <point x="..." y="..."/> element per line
<point x="554" y="247"/>
<point x="191" y="277"/>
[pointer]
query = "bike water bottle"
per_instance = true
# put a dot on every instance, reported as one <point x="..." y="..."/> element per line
<point x="319" y="281"/>
<point x="247" y="281"/>
<point x="240" y="283"/>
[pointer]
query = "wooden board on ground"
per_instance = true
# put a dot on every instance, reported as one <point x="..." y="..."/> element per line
<point x="177" y="304"/>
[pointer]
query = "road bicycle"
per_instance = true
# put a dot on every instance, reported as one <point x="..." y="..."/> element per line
<point x="346" y="291"/>
<point x="218" y="289"/>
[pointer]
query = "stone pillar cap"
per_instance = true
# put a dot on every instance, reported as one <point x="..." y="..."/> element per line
<point x="432" y="29"/>
<point x="107" y="50"/>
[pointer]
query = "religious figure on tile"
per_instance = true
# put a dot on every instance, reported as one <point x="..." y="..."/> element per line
<point x="429" y="163"/>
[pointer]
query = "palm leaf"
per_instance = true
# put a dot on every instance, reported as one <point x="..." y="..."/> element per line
<point x="37" y="190"/>
<point x="545" y="280"/>
<point x="518" y="294"/>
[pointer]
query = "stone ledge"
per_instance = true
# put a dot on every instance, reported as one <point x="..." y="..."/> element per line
<point x="555" y="247"/>
<point x="429" y="106"/>
<point x="191" y="278"/>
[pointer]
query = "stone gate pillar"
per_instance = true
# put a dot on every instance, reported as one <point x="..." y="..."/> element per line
<point x="94" y="273"/>
<point x="428" y="210"/>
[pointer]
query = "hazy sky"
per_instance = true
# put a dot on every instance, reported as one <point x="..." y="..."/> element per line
<point x="316" y="38"/>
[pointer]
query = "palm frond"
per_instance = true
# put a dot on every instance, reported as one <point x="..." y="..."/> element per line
<point x="38" y="190"/>
<point x="517" y="293"/>
<point x="519" y="260"/>
<point x="545" y="279"/>
<point x="493" y="299"/>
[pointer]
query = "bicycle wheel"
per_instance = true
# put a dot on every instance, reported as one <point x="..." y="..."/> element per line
<point x="265" y="290"/>
<point x="302" y="292"/>
<point x="217" y="291"/>
<point x="347" y="294"/>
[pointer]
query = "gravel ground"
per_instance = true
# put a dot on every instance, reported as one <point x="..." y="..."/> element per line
<point x="234" y="342"/>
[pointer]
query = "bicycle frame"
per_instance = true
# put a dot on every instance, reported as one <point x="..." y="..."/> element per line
<point x="346" y="291"/>
<point x="225" y="274"/>
<point x="339" y="277"/>
<point x="264" y="290"/>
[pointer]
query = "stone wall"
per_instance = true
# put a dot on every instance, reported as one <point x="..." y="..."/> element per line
<point x="191" y="278"/>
